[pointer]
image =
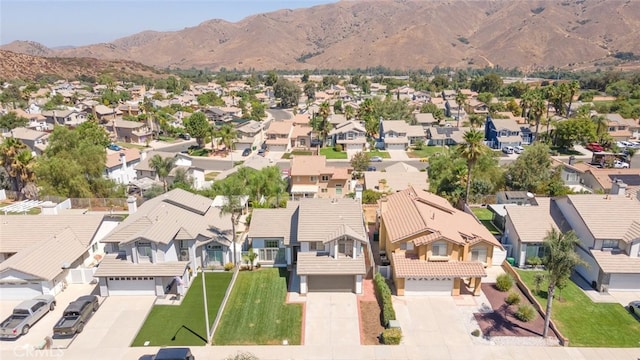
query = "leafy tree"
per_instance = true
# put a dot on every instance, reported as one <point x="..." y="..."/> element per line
<point x="250" y="257"/>
<point x="601" y="123"/>
<point x="210" y="98"/>
<point x="631" y="152"/>
<point x="485" y="97"/>
<point x="572" y="131"/>
<point x="531" y="169"/>
<point x="489" y="83"/>
<point x="471" y="151"/>
<point x="197" y="126"/>
<point x="11" y="120"/>
<point x="271" y="78"/>
<point x="349" y="112"/>
<point x="430" y="108"/>
<point x="162" y="167"/>
<point x="54" y="102"/>
<point x="371" y="196"/>
<point x="360" y="161"/>
<point x="337" y="107"/>
<point x="560" y="260"/>
<point x="288" y="93"/>
<point x="227" y="135"/>
<point x="18" y="163"/>
<point x="11" y="95"/>
<point x="310" y="90"/>
<point x="461" y="100"/>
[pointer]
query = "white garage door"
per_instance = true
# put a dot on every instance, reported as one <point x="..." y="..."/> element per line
<point x="624" y="282"/>
<point x="427" y="286"/>
<point x="499" y="256"/>
<point x="277" y="147"/>
<point x="20" y="291"/>
<point x="396" y="146"/>
<point x="354" y="147"/>
<point x="131" y="285"/>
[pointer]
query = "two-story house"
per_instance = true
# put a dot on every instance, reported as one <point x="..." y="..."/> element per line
<point x="71" y="118"/>
<point x="130" y="131"/>
<point x="399" y="135"/>
<point x="121" y="165"/>
<point x="311" y="177"/>
<point x="279" y="136"/>
<point x="250" y="134"/>
<point x="36" y="120"/>
<point x="351" y="135"/>
<point x="301" y="136"/>
<point x="433" y="247"/>
<point x="618" y="127"/>
<point x="37" y="141"/>
<point x="446" y="135"/>
<point x="325" y="239"/>
<point x="426" y="120"/>
<point x="608" y="227"/>
<point x="155" y="250"/>
<point x="506" y="132"/>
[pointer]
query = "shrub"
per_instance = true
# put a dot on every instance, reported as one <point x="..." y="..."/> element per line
<point x="513" y="298"/>
<point x="383" y="294"/>
<point x="338" y="147"/>
<point x="391" y="336"/>
<point x="525" y="313"/>
<point x="476" y="332"/>
<point x="504" y="282"/>
<point x="534" y="261"/>
<point x="228" y="266"/>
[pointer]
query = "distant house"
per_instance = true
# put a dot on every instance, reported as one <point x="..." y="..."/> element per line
<point x="37" y="141"/>
<point x="515" y="197"/>
<point x="350" y="134"/>
<point x="36" y="120"/>
<point x="120" y="166"/>
<point x="279" y="136"/>
<point x="620" y="128"/>
<point x="311" y="178"/>
<point x="250" y="134"/>
<point x="506" y="132"/>
<point x="445" y="135"/>
<point x="70" y="118"/>
<point x="425" y="120"/>
<point x="396" y="177"/>
<point x="399" y="135"/>
<point x="130" y="131"/>
<point x="301" y="136"/>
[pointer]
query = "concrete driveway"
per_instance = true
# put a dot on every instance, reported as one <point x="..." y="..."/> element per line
<point x="398" y="155"/>
<point x="332" y="318"/>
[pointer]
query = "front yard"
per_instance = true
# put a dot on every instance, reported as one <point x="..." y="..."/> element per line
<point x="296" y="152"/>
<point x="382" y="154"/>
<point x="256" y="312"/>
<point x="184" y="325"/>
<point x="427" y="151"/>
<point x="584" y="322"/>
<point x="332" y="154"/>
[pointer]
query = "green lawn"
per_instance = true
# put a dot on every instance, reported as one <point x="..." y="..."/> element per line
<point x="427" y="151"/>
<point x="127" y="145"/>
<point x="184" y="325"/>
<point x="199" y="152"/>
<point x="586" y="323"/>
<point x="330" y="153"/>
<point x="485" y="216"/>
<point x="563" y="151"/>
<point x="211" y="176"/>
<point x="296" y="152"/>
<point x="382" y="154"/>
<point x="256" y="312"/>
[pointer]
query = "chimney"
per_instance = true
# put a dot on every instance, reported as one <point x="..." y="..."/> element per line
<point x="572" y="160"/>
<point x="618" y="187"/>
<point x="123" y="161"/>
<point x="132" y="205"/>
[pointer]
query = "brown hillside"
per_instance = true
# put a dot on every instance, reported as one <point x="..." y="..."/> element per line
<point x="14" y="65"/>
<point x="395" y="34"/>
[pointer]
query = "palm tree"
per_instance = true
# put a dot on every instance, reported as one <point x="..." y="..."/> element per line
<point x="525" y="103"/>
<point x="233" y="189"/>
<point x="349" y="112"/>
<point x="601" y="125"/>
<point x="630" y="153"/>
<point x="9" y="151"/>
<point x="162" y="167"/>
<point x="471" y="151"/>
<point x="461" y="101"/>
<point x="559" y="261"/>
<point x="325" y="111"/>
<point x="227" y="135"/>
<point x="537" y="109"/>
<point x="573" y="88"/>
<point x="250" y="257"/>
<point x="24" y="173"/>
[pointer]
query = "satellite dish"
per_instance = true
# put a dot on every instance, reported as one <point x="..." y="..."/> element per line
<point x="530" y="195"/>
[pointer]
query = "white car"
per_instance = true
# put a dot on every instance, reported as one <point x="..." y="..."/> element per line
<point x="620" y="164"/>
<point x="507" y="150"/>
<point x="634" y="307"/>
<point x="518" y="149"/>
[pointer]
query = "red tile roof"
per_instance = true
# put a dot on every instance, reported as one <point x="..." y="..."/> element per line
<point x="406" y="266"/>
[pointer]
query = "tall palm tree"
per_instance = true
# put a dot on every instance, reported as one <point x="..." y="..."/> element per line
<point x="233" y="189"/>
<point x="537" y="110"/>
<point x="349" y="112"/>
<point x="471" y="151"/>
<point x="630" y="153"/>
<point x="162" y="167"/>
<point x="324" y="111"/>
<point x="601" y="125"/>
<point x="9" y="151"/>
<point x="24" y="173"/>
<point x="227" y="135"/>
<point x="560" y="259"/>
<point x="573" y="88"/>
<point x="525" y="103"/>
<point x="461" y="100"/>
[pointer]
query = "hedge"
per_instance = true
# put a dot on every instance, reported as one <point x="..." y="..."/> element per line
<point x="391" y="336"/>
<point x="383" y="294"/>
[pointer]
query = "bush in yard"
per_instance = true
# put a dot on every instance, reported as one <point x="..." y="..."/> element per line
<point x="513" y="298"/>
<point x="338" y="147"/>
<point x="534" y="261"/>
<point x="525" y="313"/>
<point x="383" y="294"/>
<point x="476" y="332"/>
<point x="391" y="336"/>
<point x="228" y="266"/>
<point x="504" y="282"/>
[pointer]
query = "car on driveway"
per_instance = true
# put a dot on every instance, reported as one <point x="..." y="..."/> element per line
<point x="246" y="152"/>
<point x="185" y="136"/>
<point x="375" y="159"/>
<point x="114" y="147"/>
<point x="25" y="315"/>
<point x="518" y="149"/>
<point x="76" y="315"/>
<point x="620" y="164"/>
<point x="262" y="152"/>
<point x="173" y="354"/>
<point x="634" y="307"/>
<point x="371" y="168"/>
<point x="595" y="147"/>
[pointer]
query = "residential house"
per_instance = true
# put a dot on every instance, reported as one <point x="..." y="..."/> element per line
<point x="39" y="254"/>
<point x="478" y="107"/>
<point x="351" y="135"/>
<point x="325" y="239"/>
<point x="70" y="117"/>
<point x="433" y="247"/>
<point x="396" y="177"/>
<point x="157" y="247"/>
<point x="130" y="131"/>
<point x="130" y="109"/>
<point x="597" y="179"/>
<point x="37" y="141"/>
<point x="399" y="135"/>
<point x="144" y="169"/>
<point x="426" y="120"/>
<point x="608" y="227"/>
<point x="36" y="120"/>
<point x="515" y="197"/>
<point x="506" y="132"/>
<point x="250" y="135"/>
<point x="618" y="127"/>
<point x="311" y="178"/>
<point x="279" y="136"/>
<point x="191" y="166"/>
<point x="523" y="237"/>
<point x="336" y="119"/>
<point x="104" y="113"/>
<point x="120" y="165"/>
<point x="446" y="135"/>
<point x="301" y="136"/>
<point x="222" y="114"/>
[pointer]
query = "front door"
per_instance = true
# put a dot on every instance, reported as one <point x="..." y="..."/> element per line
<point x="214" y="255"/>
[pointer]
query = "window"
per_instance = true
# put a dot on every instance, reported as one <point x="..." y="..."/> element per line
<point x="271" y="243"/>
<point x="406" y="246"/>
<point x="313" y="178"/>
<point x="303" y="142"/>
<point x="610" y="244"/>
<point x="338" y="189"/>
<point x="316" y="246"/>
<point x="144" y="250"/>
<point x="479" y="254"/>
<point x="439" y="248"/>
<point x="324" y="190"/>
<point x="324" y="178"/>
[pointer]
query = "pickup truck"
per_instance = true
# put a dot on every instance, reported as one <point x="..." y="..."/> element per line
<point x="76" y="315"/>
<point x="25" y="315"/>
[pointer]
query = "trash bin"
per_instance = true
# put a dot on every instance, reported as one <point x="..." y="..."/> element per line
<point x="254" y="147"/>
<point x="511" y="261"/>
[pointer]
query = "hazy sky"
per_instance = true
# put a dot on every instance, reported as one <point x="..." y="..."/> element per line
<point x="82" y="22"/>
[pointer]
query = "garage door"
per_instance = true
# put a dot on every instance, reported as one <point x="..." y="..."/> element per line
<point x="624" y="282"/>
<point x="277" y="147"/>
<point x="396" y="146"/>
<point x="131" y="285"/>
<point x="430" y="286"/>
<point x="333" y="283"/>
<point x="20" y="291"/>
<point x="354" y="147"/>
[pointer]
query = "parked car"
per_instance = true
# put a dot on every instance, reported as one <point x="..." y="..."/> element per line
<point x="185" y="136"/>
<point x="76" y="315"/>
<point x="375" y="159"/>
<point x="620" y="164"/>
<point x="174" y="354"/>
<point x="114" y="147"/>
<point x="262" y="152"/>
<point x="508" y="149"/>
<point x="595" y="147"/>
<point x="518" y="149"/>
<point x="25" y="315"/>
<point x="371" y="168"/>
<point x="246" y="152"/>
<point x="316" y="142"/>
<point x="634" y="307"/>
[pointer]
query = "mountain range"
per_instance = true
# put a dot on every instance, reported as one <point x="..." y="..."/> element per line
<point x="394" y="34"/>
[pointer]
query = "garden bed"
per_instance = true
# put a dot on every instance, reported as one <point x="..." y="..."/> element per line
<point x="370" y="322"/>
